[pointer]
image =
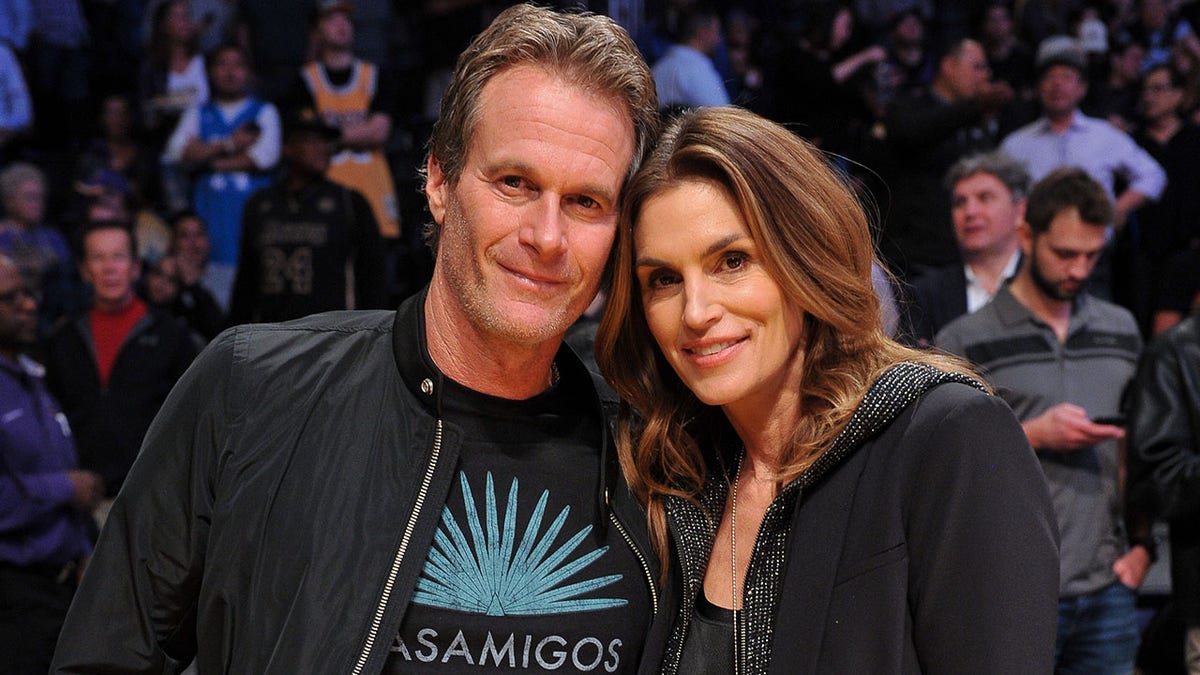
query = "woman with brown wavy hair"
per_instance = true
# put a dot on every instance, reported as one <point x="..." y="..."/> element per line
<point x="829" y="500"/>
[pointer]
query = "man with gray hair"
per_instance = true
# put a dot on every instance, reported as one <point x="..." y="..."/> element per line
<point x="987" y="200"/>
<point x="426" y="490"/>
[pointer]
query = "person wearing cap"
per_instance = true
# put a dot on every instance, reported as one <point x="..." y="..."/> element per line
<point x="308" y="244"/>
<point x="351" y="96"/>
<point x="1064" y="136"/>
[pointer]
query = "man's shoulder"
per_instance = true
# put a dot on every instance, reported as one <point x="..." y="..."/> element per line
<point x="1022" y="137"/>
<point x="365" y="323"/>
<point x="352" y="344"/>
<point x="982" y="323"/>
<point x="1109" y="315"/>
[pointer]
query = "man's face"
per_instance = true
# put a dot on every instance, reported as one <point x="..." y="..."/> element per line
<point x="308" y="152"/>
<point x="526" y="230"/>
<point x="27" y="204"/>
<point x="1061" y="89"/>
<point x="1062" y="258"/>
<point x="997" y="22"/>
<point x="336" y="30"/>
<point x="229" y="75"/>
<point x="18" y="311"/>
<point x="1160" y="98"/>
<point x="985" y="215"/>
<point x="1128" y="63"/>
<point x="968" y="72"/>
<point x="110" y="266"/>
<point x="191" y="239"/>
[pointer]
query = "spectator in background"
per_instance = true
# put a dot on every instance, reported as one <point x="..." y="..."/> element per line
<point x="44" y="497"/>
<point x="278" y="36"/>
<point x="1114" y="97"/>
<point x="1009" y="57"/>
<point x="16" y="109"/>
<point x="121" y="148"/>
<point x="39" y="251"/>
<point x="231" y="142"/>
<point x="113" y="366"/>
<point x="820" y="86"/>
<point x="926" y="133"/>
<point x="1062" y="360"/>
<point x="987" y="202"/>
<point x="189" y="252"/>
<point x="685" y="76"/>
<point x="309" y="245"/>
<point x="173" y="76"/>
<point x="1164" y="455"/>
<point x="351" y="97"/>
<point x="1160" y="29"/>
<point x="1064" y="136"/>
<point x="910" y="66"/>
<point x="1171" y="226"/>
<point x="59" y="69"/>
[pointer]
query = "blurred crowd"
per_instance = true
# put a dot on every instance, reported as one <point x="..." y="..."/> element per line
<point x="169" y="168"/>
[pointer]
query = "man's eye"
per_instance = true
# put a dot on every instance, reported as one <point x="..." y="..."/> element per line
<point x="587" y="202"/>
<point x="513" y="182"/>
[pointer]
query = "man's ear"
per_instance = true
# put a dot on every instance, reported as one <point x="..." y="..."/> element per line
<point x="1025" y="237"/>
<point x="436" y="187"/>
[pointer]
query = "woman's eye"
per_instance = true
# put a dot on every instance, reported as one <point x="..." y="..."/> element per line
<point x="733" y="261"/>
<point x="658" y="280"/>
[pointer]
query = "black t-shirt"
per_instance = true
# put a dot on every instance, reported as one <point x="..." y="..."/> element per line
<point x="520" y="577"/>
<point x="709" y="644"/>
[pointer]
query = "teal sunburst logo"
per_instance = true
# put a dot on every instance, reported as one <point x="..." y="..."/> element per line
<point x="495" y="575"/>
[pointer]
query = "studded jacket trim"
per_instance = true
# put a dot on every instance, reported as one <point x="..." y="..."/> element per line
<point x="693" y="525"/>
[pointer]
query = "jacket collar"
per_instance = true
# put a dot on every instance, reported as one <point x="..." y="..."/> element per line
<point x="426" y="382"/>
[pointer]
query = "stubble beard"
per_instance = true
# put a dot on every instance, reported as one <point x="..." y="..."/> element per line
<point x="1049" y="288"/>
<point x="467" y="282"/>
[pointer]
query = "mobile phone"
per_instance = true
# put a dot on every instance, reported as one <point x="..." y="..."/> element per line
<point x="1118" y="420"/>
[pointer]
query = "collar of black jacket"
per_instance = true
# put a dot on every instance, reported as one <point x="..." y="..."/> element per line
<point x="427" y="383"/>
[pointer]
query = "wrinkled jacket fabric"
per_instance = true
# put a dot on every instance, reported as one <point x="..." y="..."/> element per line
<point x="1164" y="457"/>
<point x="923" y="541"/>
<point x="280" y="513"/>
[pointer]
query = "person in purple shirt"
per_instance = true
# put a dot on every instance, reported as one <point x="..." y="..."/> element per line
<point x="44" y="498"/>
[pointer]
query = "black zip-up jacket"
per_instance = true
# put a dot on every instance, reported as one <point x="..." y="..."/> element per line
<point x="110" y="420"/>
<point x="1164" y="452"/>
<point x="279" y="515"/>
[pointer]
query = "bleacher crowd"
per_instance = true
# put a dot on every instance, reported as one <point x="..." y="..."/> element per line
<point x="169" y="168"/>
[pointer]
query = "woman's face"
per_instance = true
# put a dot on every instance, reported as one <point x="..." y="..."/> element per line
<point x="719" y="318"/>
<point x="178" y="22"/>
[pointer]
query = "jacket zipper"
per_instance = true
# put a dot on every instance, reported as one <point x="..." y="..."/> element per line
<point x="377" y="620"/>
<point x="641" y="559"/>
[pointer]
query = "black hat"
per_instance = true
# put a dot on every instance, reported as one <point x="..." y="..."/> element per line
<point x="302" y="120"/>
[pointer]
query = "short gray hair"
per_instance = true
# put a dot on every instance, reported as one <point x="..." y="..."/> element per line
<point x="17" y="173"/>
<point x="997" y="163"/>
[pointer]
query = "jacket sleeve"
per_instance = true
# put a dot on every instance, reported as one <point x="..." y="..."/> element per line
<point x="983" y="543"/>
<point x="1162" y="435"/>
<point x="134" y="611"/>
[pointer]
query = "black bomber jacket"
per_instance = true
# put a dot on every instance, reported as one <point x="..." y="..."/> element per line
<point x="278" y="517"/>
